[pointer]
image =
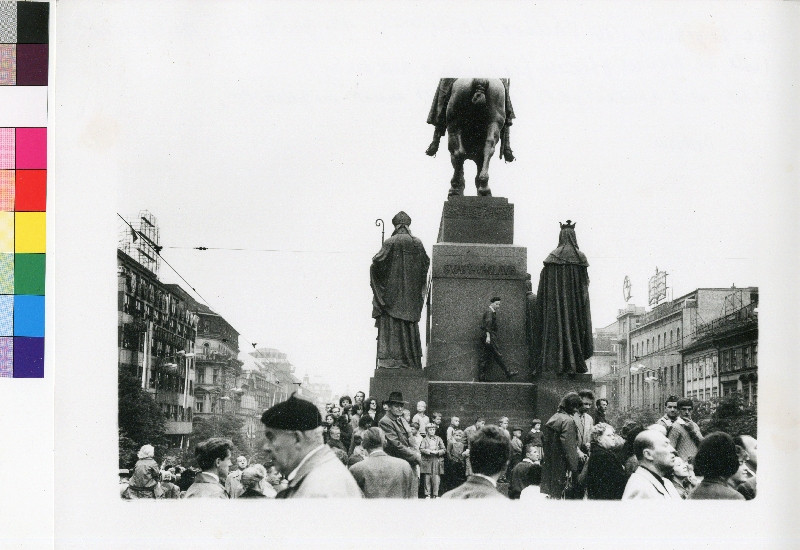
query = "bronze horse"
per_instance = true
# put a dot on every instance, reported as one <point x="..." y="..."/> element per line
<point x="476" y="114"/>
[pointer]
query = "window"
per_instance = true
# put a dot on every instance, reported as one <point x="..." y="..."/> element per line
<point x="670" y="337"/>
<point x="755" y="355"/>
<point x="754" y="392"/>
<point x="198" y="406"/>
<point x="678" y="335"/>
<point x="215" y="376"/>
<point x="659" y="342"/>
<point x="201" y="376"/>
<point x="746" y="357"/>
<point x="734" y="360"/>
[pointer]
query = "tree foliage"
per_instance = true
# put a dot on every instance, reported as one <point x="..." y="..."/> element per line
<point x="140" y="420"/>
<point x="226" y="425"/>
<point x="730" y="414"/>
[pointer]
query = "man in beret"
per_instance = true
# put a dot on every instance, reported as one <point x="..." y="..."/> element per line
<point x="294" y="442"/>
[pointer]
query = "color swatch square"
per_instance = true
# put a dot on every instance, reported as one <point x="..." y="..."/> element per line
<point x="6" y="357"/>
<point x="28" y="315"/>
<point x="31" y="148"/>
<point x="8" y="21"/>
<point x="28" y="273"/>
<point x="32" y="22"/>
<point x="32" y="64"/>
<point x="29" y="232"/>
<point x="6" y="273"/>
<point x="30" y="190"/>
<point x="7" y="147"/>
<point x="6" y="232"/>
<point x="28" y="357"/>
<point x="8" y="64"/>
<point x="6" y="315"/>
<point x="7" y="187"/>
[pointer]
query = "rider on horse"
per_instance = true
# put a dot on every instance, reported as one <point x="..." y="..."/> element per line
<point x="438" y="117"/>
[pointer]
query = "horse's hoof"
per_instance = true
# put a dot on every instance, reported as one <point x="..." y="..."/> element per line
<point x="455" y="193"/>
<point x="484" y="192"/>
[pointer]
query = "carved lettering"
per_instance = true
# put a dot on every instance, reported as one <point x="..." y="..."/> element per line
<point x="479" y="212"/>
<point x="479" y="270"/>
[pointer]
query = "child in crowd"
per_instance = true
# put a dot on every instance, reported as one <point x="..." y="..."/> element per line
<point x="432" y="451"/>
<point x="421" y="418"/>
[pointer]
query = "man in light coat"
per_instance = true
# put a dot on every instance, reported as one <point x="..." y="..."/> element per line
<point x="233" y="483"/>
<point x="656" y="458"/>
<point x="214" y="457"/>
<point x="294" y="442"/>
<point x="380" y="475"/>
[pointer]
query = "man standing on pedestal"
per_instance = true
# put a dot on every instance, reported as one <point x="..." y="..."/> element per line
<point x="398" y="277"/>
<point x="490" y="348"/>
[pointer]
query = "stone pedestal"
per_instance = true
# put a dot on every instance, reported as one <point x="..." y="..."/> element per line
<point x="411" y="382"/>
<point x="551" y="388"/>
<point x="474" y="260"/>
<point x="492" y="400"/>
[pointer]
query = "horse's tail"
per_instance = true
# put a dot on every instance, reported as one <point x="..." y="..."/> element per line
<point x="479" y="87"/>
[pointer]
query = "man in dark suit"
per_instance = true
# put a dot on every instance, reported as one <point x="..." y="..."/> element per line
<point x="490" y="348"/>
<point x="397" y="431"/>
<point x="526" y="472"/>
<point x="489" y="453"/>
<point x="380" y="475"/>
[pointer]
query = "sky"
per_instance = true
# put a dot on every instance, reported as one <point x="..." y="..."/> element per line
<point x="287" y="132"/>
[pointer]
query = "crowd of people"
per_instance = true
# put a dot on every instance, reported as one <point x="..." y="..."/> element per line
<point x="363" y="449"/>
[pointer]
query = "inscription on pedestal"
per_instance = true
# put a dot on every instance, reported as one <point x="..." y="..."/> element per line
<point x="478" y="212"/>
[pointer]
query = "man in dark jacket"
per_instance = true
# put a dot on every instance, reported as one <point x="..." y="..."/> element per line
<point x="560" y="441"/>
<point x="489" y="452"/>
<point x="526" y="472"/>
<point x="397" y="431"/>
<point x="490" y="348"/>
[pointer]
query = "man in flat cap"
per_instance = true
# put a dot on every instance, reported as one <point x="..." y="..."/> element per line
<point x="294" y="442"/>
<point x="398" y="277"/>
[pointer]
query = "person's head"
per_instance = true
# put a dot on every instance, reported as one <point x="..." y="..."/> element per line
<point x="455" y="421"/>
<point x="357" y="440"/>
<point x="604" y="436"/>
<point x="214" y="455"/>
<point x="532" y="452"/>
<point x="658" y="427"/>
<point x="503" y="422"/>
<point x="359" y="397"/>
<point x="494" y="303"/>
<point x="328" y="407"/>
<point x="671" y="407"/>
<point x="167" y="477"/>
<point x="273" y="476"/>
<point x="345" y="402"/>
<point x="366" y="421"/>
<point x="630" y="430"/>
<point x="241" y="462"/>
<point x="407" y="415"/>
<point x="291" y="430"/>
<point x="601" y="404"/>
<point x="750" y="446"/>
<point x="489" y="451"/>
<point x="685" y="407"/>
<point x="336" y="412"/>
<point x="716" y="457"/>
<point x="371" y="404"/>
<point x="680" y="468"/>
<point x="329" y="419"/>
<point x="396" y="403"/>
<point x="480" y="422"/>
<point x="421" y="406"/>
<point x="587" y="400"/>
<point x="414" y="428"/>
<point x="654" y="451"/>
<point x="386" y="406"/>
<point x="373" y="439"/>
<point x="437" y="418"/>
<point x="335" y="432"/>
<point x="571" y="403"/>
<point x="252" y="476"/>
<point x="458" y="435"/>
<point x="147" y="451"/>
<point x="430" y="429"/>
<point x="516" y="432"/>
<point x="536" y="424"/>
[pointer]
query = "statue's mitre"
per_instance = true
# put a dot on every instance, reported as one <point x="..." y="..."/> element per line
<point x="568" y="225"/>
<point x="401" y="218"/>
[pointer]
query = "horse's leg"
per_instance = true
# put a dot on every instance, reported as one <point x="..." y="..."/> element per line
<point x="457" y="157"/>
<point x="482" y="179"/>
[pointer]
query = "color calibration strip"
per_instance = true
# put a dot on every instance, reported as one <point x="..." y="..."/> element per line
<point x="24" y="52"/>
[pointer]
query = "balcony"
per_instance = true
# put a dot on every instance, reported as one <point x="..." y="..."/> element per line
<point x="171" y="427"/>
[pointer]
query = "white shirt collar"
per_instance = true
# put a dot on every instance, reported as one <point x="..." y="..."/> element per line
<point x="493" y="482"/>
<point x="313" y="451"/>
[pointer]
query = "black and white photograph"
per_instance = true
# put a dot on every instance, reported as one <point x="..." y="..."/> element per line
<point x="425" y="251"/>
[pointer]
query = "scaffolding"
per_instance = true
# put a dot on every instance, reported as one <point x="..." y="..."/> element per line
<point x="143" y="244"/>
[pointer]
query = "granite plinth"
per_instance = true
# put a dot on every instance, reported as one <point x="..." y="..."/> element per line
<point x="464" y="277"/>
<point x="411" y="382"/>
<point x="477" y="220"/>
<point x="552" y="387"/>
<point x="491" y="400"/>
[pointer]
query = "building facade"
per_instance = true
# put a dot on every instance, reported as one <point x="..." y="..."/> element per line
<point x="651" y="346"/>
<point x="156" y="343"/>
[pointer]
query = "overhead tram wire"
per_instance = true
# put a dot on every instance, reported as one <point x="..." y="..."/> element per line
<point x="157" y="250"/>
<point x="205" y="248"/>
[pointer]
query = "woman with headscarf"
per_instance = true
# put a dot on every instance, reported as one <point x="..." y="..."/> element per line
<point x="717" y="462"/>
<point x="145" y="477"/>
